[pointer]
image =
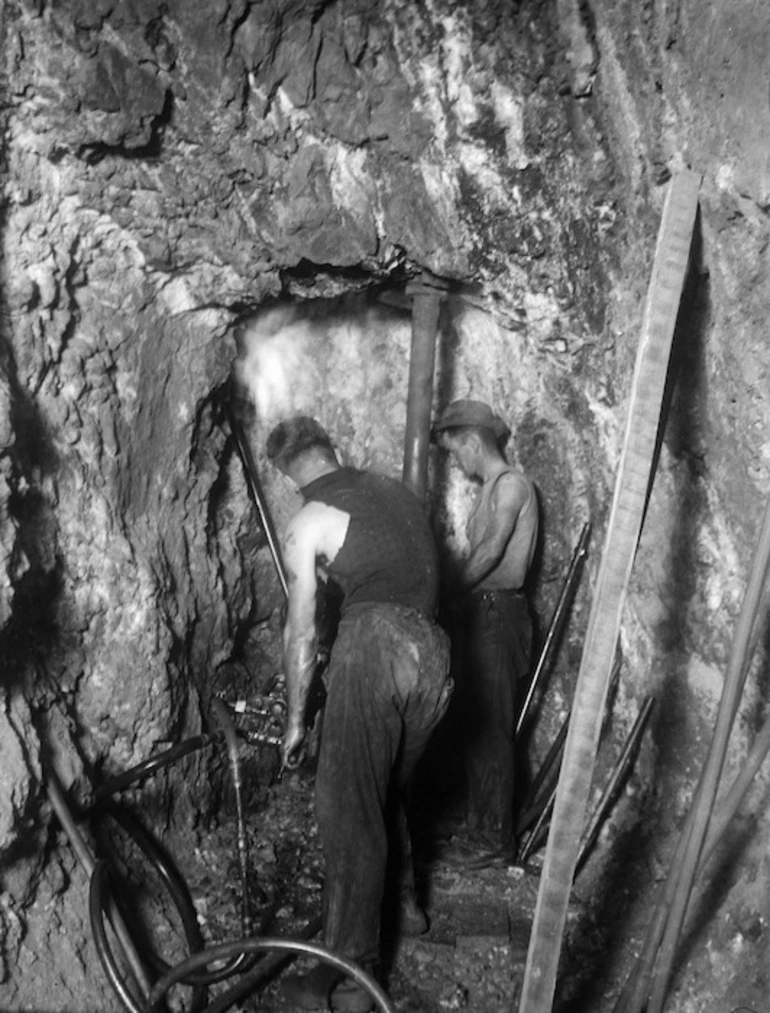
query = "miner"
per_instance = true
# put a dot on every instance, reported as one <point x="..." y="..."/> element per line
<point x="491" y="624"/>
<point x="387" y="686"/>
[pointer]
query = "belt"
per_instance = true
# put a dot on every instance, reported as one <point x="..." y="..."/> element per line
<point x="491" y="595"/>
<point x="408" y="610"/>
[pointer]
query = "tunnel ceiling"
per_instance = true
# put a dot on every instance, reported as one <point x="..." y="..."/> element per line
<point x="175" y="172"/>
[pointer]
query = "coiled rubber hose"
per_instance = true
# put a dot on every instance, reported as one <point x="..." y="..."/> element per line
<point x="239" y="956"/>
<point x="193" y="967"/>
<point x="176" y="888"/>
<point x="251" y="946"/>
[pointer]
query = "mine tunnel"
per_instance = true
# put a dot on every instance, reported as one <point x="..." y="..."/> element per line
<point x="221" y="215"/>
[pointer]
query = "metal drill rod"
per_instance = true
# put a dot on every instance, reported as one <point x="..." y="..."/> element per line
<point x="617" y="777"/>
<point x="257" y="495"/>
<point x="538" y="801"/>
<point x="222" y="716"/>
<point x="557" y="622"/>
<point x="537" y="831"/>
<point x="547" y="775"/>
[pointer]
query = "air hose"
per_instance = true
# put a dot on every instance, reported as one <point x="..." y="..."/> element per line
<point x="154" y="764"/>
<point x="176" y="888"/>
<point x="253" y="946"/>
<point x="170" y="878"/>
<point x="239" y="956"/>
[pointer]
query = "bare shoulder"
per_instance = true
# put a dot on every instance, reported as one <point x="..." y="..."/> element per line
<point x="317" y="528"/>
<point x="514" y="488"/>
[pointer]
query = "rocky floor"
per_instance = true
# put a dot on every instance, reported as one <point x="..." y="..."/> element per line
<point x="473" y="955"/>
<point x="471" y="958"/>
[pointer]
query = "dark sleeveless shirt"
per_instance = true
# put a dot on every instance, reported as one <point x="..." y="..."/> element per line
<point x="389" y="553"/>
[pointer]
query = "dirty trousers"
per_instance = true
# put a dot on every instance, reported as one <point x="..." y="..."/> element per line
<point x="495" y="641"/>
<point x="388" y="687"/>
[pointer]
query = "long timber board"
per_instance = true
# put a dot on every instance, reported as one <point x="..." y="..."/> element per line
<point x="632" y="485"/>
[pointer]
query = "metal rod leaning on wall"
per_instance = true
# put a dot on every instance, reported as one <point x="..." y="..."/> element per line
<point x="546" y="776"/>
<point x="617" y="777"/>
<point x="634" y="993"/>
<point x="557" y="622"/>
<point x="735" y="677"/>
<point x="549" y="771"/>
<point x="86" y="859"/>
<point x="257" y="495"/>
<point x="542" y="821"/>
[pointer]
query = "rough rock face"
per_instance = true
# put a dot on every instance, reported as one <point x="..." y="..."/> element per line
<point x="185" y="182"/>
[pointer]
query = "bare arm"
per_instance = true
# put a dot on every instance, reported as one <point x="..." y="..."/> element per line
<point x="509" y="496"/>
<point x="299" y="634"/>
<point x="315" y="534"/>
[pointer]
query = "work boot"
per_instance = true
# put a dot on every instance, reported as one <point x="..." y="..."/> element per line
<point x="412" y="920"/>
<point x="311" y="990"/>
<point x="350" y="997"/>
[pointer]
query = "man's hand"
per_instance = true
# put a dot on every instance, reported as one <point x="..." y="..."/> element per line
<point x="293" y="738"/>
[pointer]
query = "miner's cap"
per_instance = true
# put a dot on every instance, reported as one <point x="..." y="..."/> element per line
<point x="470" y="413"/>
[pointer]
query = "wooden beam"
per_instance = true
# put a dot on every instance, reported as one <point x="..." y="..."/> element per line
<point x="624" y="528"/>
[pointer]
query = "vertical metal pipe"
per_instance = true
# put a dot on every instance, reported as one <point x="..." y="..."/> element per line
<point x="426" y="306"/>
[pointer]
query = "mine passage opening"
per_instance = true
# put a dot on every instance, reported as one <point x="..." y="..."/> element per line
<point x="303" y="358"/>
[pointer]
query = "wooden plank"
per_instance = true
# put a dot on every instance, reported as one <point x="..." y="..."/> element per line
<point x="624" y="528"/>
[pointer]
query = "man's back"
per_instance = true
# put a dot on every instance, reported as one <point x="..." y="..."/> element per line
<point x="389" y="553"/>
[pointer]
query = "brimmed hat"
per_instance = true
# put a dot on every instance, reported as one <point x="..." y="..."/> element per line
<point x="471" y="413"/>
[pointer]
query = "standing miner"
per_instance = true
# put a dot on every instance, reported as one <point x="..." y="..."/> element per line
<point x="492" y="626"/>
<point x="388" y="686"/>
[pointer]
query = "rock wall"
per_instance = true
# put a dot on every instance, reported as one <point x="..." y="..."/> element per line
<point x="181" y="177"/>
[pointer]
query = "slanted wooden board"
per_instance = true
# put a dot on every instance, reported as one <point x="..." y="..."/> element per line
<point x="624" y="528"/>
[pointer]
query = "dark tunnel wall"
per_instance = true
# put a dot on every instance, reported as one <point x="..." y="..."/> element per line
<point x="172" y="170"/>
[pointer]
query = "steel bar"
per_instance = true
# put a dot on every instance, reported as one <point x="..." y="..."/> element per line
<point x="549" y="771"/>
<point x="257" y="495"/>
<point x="615" y="782"/>
<point x="557" y="622"/>
<point x="542" y="821"/>
<point x="634" y="993"/>
<point x="546" y="777"/>
<point x="735" y="677"/>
